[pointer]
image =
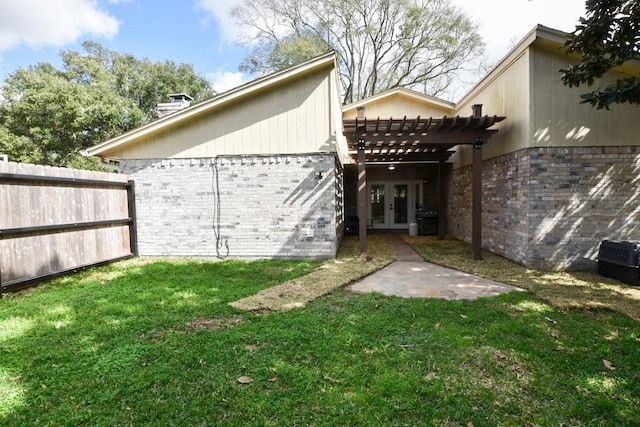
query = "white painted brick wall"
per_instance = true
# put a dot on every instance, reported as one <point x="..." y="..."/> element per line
<point x="250" y="206"/>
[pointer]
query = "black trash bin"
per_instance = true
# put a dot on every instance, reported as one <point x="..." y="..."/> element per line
<point x="620" y="260"/>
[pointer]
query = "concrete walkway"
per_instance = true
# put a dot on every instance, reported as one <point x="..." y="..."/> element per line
<point x="410" y="276"/>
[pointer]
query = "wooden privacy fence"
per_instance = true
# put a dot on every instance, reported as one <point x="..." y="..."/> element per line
<point x="56" y="220"/>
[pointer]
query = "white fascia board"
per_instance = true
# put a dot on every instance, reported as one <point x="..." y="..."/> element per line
<point x="403" y="91"/>
<point x="213" y="103"/>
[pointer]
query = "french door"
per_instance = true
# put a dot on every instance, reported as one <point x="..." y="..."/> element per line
<point x="391" y="202"/>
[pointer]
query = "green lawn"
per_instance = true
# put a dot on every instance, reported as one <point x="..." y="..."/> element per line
<point x="158" y="343"/>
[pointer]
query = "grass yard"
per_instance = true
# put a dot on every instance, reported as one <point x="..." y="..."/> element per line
<point x="146" y="342"/>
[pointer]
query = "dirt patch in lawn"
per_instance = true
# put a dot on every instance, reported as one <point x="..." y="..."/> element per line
<point x="331" y="275"/>
<point x="218" y="323"/>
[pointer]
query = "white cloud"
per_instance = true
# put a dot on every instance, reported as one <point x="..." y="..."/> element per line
<point x="221" y="12"/>
<point x="222" y="81"/>
<point x="505" y="22"/>
<point x="52" y="23"/>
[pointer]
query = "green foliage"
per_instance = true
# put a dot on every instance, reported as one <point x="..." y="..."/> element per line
<point x="607" y="38"/>
<point x="47" y="116"/>
<point x="283" y="53"/>
<point x="157" y="343"/>
<point x="379" y="43"/>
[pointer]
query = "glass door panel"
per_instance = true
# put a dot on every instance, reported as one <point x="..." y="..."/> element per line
<point x="378" y="204"/>
<point x="400" y="204"/>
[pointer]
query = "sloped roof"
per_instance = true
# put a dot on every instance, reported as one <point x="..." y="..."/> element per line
<point x="219" y="101"/>
<point x="542" y="36"/>
<point x="403" y="92"/>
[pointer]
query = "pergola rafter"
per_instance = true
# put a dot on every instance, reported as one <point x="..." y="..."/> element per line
<point x="429" y="139"/>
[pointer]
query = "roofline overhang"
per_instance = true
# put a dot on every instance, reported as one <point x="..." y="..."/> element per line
<point x="540" y="35"/>
<point x="403" y="91"/>
<point x="326" y="60"/>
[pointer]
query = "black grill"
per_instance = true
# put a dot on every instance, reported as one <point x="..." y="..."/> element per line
<point x="620" y="260"/>
<point x="427" y="222"/>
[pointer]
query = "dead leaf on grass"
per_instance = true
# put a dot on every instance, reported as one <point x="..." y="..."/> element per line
<point x="331" y="380"/>
<point x="608" y="365"/>
<point x="430" y="376"/>
<point x="251" y="348"/>
<point x="245" y="380"/>
<point x="273" y="380"/>
<point x="437" y="326"/>
<point x="464" y="316"/>
<point x="16" y="378"/>
<point x="500" y="355"/>
<point x="554" y="334"/>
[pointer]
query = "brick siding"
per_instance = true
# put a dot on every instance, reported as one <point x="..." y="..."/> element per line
<point x="241" y="207"/>
<point x="549" y="208"/>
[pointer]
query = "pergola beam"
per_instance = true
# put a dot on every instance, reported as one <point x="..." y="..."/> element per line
<point x="436" y="140"/>
<point x="420" y="140"/>
<point x="387" y="157"/>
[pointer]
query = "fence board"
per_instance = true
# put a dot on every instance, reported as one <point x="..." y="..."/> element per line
<point x="36" y="201"/>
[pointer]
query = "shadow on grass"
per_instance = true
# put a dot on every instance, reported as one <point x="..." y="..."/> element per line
<point x="562" y="289"/>
<point x="158" y="344"/>
<point x="89" y="329"/>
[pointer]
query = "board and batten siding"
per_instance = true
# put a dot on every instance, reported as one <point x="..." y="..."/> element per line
<point x="278" y="120"/>
<point x="399" y="105"/>
<point x="559" y="177"/>
<point x="542" y="112"/>
<point x="505" y="92"/>
<point x="560" y="120"/>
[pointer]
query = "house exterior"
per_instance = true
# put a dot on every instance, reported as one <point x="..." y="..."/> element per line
<point x="269" y="169"/>
<point x="253" y="172"/>
<point x="559" y="176"/>
<point x="408" y="186"/>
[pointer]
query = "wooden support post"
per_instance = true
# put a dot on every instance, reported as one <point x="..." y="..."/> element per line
<point x="442" y="201"/>
<point x="362" y="200"/>
<point x="476" y="213"/>
<point x="133" y="230"/>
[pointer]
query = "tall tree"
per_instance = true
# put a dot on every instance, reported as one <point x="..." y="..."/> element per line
<point x="608" y="37"/>
<point x="60" y="116"/>
<point x="145" y="82"/>
<point x="47" y="115"/>
<point x="379" y="43"/>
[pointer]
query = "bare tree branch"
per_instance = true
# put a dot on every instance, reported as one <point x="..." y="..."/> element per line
<point x="379" y="43"/>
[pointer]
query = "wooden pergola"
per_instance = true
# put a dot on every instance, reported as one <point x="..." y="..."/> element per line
<point x="418" y="140"/>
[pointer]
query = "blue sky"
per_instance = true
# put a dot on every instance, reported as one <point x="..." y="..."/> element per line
<point x="201" y="32"/>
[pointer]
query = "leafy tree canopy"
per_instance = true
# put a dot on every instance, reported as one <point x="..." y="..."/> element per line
<point x="608" y="37"/>
<point x="380" y="44"/>
<point x="48" y="115"/>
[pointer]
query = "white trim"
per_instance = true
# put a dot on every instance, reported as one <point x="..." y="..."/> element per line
<point x="213" y="103"/>
<point x="400" y="90"/>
